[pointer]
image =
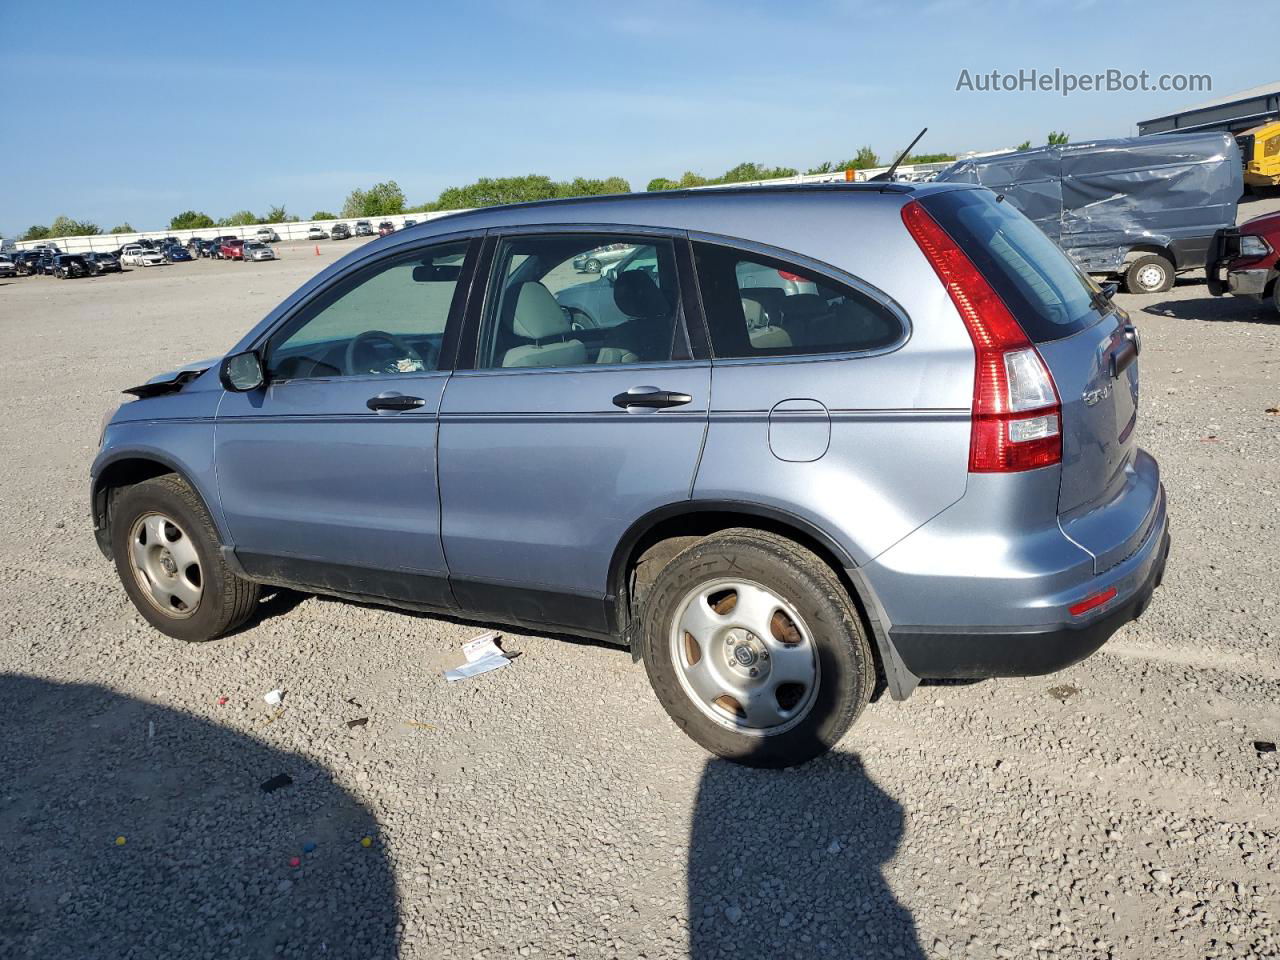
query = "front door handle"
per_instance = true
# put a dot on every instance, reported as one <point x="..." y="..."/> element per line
<point x="650" y="398"/>
<point x="394" y="401"/>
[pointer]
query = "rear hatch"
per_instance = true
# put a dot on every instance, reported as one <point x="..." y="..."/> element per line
<point x="1108" y="491"/>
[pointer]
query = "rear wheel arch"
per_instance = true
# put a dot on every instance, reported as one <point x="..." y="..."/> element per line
<point x="662" y="533"/>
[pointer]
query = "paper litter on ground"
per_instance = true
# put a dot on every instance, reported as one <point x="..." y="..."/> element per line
<point x="482" y="654"/>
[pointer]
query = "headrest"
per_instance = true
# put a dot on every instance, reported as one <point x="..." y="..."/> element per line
<point x="537" y="315"/>
<point x="805" y="306"/>
<point x="430" y="273"/>
<point x="638" y="296"/>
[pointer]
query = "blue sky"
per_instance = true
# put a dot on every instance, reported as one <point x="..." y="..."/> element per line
<point x="138" y="112"/>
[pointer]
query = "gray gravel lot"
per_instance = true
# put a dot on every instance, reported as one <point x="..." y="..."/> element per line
<point x="1118" y="809"/>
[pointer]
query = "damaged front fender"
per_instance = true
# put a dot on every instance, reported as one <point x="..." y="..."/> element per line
<point x="173" y="381"/>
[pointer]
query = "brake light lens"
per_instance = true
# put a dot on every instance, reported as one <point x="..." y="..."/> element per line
<point x="1017" y="415"/>
<point x="793" y="277"/>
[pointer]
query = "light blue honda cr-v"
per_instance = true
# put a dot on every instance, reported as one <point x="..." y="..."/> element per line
<point x="791" y="439"/>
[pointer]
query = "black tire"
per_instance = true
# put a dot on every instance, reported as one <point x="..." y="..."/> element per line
<point x="1139" y="278"/>
<point x="846" y="669"/>
<point x="226" y="600"/>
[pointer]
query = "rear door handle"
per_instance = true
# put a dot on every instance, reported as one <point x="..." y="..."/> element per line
<point x="651" y="398"/>
<point x="394" y="401"/>
<point x="1133" y="336"/>
<point x="1121" y="357"/>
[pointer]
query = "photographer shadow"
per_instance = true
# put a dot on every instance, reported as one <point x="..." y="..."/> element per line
<point x="788" y="864"/>
<point x="131" y="829"/>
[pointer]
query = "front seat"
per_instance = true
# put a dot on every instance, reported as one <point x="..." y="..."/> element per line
<point x="646" y="333"/>
<point x="539" y="318"/>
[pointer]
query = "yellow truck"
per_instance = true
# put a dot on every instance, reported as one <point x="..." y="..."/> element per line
<point x="1260" y="149"/>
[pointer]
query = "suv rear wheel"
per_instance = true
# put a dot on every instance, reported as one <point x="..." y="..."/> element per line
<point x="167" y="555"/>
<point x="755" y="649"/>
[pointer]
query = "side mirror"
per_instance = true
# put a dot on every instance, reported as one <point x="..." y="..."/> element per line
<point x="610" y="274"/>
<point x="242" y="372"/>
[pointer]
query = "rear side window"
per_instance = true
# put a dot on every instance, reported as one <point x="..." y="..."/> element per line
<point x="1040" y="285"/>
<point x="757" y="306"/>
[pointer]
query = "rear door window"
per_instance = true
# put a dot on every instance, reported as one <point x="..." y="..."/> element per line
<point x="1048" y="294"/>
<point x="757" y="306"/>
<point x="566" y="300"/>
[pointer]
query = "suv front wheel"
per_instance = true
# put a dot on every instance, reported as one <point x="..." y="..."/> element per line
<point x="167" y="555"/>
<point x="755" y="650"/>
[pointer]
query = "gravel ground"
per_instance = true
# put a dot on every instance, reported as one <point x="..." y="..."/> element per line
<point x="1118" y="809"/>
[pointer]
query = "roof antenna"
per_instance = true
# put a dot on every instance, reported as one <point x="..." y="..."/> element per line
<point x="888" y="174"/>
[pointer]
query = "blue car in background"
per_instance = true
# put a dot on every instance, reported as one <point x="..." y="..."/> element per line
<point x="175" y="253"/>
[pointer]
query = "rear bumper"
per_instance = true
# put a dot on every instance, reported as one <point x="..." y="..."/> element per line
<point x="986" y="588"/>
<point x="1248" y="283"/>
<point x="1036" y="652"/>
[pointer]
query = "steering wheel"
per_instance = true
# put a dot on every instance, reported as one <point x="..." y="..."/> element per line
<point x="578" y="319"/>
<point x="360" y="339"/>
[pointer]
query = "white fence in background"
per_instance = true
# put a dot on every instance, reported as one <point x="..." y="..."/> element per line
<point x="106" y="242"/>
<point x="838" y="176"/>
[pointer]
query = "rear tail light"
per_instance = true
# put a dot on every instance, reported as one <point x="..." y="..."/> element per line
<point x="793" y="277"/>
<point x="1017" y="416"/>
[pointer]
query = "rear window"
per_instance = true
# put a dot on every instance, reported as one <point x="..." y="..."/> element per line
<point x="1044" y="289"/>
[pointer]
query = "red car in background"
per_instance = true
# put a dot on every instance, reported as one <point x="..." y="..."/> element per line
<point x="1245" y="260"/>
<point x="231" y="249"/>
<point x="385" y="228"/>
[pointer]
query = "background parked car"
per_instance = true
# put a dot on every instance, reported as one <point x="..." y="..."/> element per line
<point x="193" y="246"/>
<point x="26" y="262"/>
<point x="68" y="266"/>
<point x="1246" y="260"/>
<point x="215" y="249"/>
<point x="364" y="228"/>
<point x="232" y="248"/>
<point x="253" y="250"/>
<point x="100" y="263"/>
<point x="139" y="256"/>
<point x="316" y="233"/>
<point x="340" y="231"/>
<point x="386" y="228"/>
<point x="1140" y="208"/>
<point x="175" y="253"/>
<point x="408" y="224"/>
<point x="592" y="261"/>
<point x="267" y="235"/>
<point x="7" y="267"/>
